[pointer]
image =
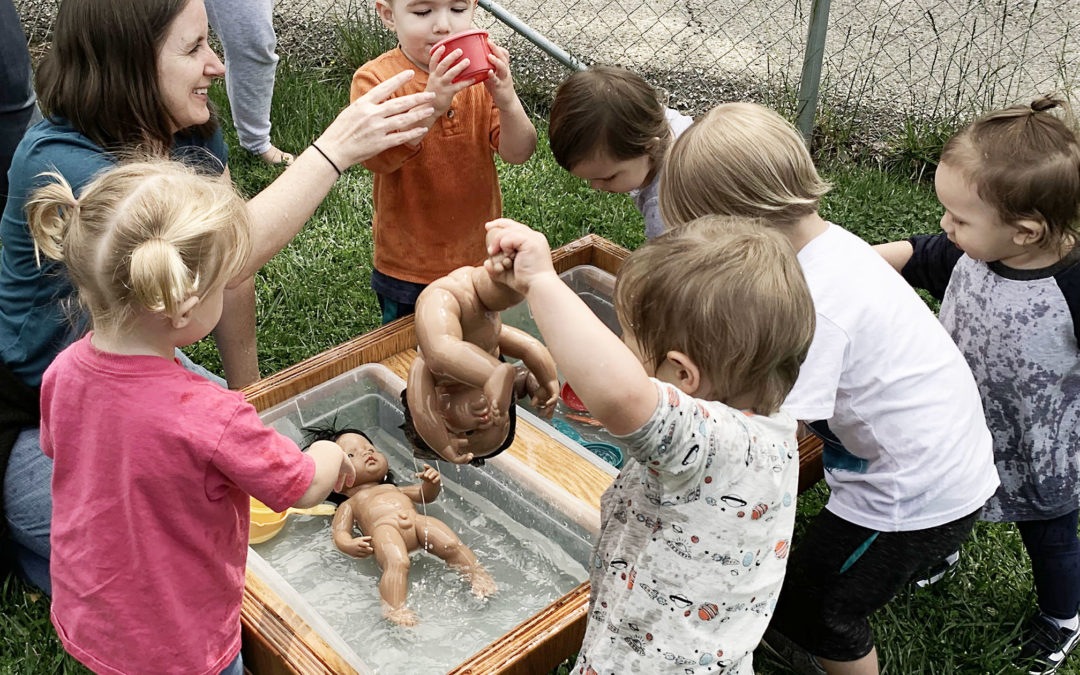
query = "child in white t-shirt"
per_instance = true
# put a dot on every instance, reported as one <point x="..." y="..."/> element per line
<point x="696" y="528"/>
<point x="916" y="463"/>
<point x="609" y="127"/>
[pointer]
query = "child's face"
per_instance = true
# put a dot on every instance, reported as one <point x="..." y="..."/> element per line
<point x="420" y="24"/>
<point x="370" y="464"/>
<point x="614" y="175"/>
<point x="971" y="223"/>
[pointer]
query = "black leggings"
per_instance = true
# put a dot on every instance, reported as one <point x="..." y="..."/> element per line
<point x="1054" y="549"/>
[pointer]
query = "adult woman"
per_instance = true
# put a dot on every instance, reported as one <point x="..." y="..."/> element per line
<point x="126" y="76"/>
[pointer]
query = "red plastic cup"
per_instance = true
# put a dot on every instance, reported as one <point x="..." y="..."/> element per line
<point x="570" y="398"/>
<point x="474" y="46"/>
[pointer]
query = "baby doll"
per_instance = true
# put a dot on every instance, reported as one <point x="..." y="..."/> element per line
<point x="459" y="402"/>
<point x="392" y="528"/>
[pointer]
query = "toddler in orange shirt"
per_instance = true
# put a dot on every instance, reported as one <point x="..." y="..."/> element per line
<point x="433" y="198"/>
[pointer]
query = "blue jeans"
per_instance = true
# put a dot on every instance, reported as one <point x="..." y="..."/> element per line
<point x="28" y="499"/>
<point x="235" y="667"/>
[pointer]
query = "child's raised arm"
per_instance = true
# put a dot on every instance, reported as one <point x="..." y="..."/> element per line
<point x="896" y="253"/>
<point x="517" y="135"/>
<point x="333" y="470"/>
<point x="602" y="370"/>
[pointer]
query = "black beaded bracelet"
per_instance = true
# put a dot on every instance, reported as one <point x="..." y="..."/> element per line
<point x="319" y="150"/>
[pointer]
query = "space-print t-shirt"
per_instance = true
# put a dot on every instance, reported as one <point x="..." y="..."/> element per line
<point x="694" y="541"/>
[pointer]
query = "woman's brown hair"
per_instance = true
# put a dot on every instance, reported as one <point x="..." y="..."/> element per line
<point x="101" y="73"/>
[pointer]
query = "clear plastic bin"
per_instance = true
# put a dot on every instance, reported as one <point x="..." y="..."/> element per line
<point x="532" y="536"/>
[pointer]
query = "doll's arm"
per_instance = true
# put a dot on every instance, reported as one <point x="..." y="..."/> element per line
<point x="428" y="490"/>
<point x="536" y="357"/>
<point x="342" y="529"/>
<point x="426" y="418"/>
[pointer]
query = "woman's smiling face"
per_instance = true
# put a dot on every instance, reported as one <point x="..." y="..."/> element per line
<point x="186" y="65"/>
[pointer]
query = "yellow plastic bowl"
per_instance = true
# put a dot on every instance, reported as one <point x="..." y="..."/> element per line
<point x="265" y="522"/>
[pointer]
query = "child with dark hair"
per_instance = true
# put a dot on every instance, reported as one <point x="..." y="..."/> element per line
<point x="609" y="127"/>
<point x="1007" y="271"/>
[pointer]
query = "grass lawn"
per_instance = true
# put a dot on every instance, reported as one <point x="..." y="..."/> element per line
<point x="316" y="294"/>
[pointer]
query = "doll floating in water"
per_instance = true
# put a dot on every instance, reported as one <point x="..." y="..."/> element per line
<point x="392" y="528"/>
<point x="459" y="402"/>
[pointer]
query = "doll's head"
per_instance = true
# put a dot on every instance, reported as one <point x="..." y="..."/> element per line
<point x="370" y="464"/>
<point x="482" y="443"/>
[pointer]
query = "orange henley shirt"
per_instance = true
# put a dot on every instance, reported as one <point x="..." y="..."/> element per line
<point x="431" y="201"/>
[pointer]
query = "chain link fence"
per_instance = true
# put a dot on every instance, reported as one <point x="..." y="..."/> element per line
<point x="883" y="61"/>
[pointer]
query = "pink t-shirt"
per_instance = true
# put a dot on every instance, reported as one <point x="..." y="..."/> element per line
<point x="152" y="470"/>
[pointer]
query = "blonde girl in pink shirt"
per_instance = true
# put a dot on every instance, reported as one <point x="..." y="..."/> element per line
<point x="153" y="464"/>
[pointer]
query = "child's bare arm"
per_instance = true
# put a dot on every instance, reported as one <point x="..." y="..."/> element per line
<point x="342" y="529"/>
<point x="332" y="471"/>
<point x="517" y="138"/>
<point x="428" y="490"/>
<point x="603" y="371"/>
<point x="536" y="357"/>
<point x="896" y="253"/>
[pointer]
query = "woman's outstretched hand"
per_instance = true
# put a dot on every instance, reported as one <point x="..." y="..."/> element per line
<point x="372" y="123"/>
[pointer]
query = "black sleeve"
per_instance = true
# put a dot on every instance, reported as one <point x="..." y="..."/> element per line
<point x="1068" y="281"/>
<point x="931" y="263"/>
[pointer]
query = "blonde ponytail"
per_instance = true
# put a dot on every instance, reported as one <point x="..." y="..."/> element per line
<point x="159" y="279"/>
<point x="50" y="213"/>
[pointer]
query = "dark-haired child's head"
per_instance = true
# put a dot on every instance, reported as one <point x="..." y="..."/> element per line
<point x="485" y="444"/>
<point x="1010" y="183"/>
<point x="608" y="127"/>
<point x="725" y="296"/>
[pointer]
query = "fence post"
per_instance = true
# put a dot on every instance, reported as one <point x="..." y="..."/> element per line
<point x="550" y="48"/>
<point x="811" y="69"/>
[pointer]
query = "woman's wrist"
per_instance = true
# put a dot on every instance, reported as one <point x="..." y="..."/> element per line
<point x="327" y="157"/>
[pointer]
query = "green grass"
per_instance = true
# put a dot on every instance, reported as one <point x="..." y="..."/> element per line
<point x="315" y="294"/>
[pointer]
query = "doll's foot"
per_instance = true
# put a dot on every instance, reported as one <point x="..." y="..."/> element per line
<point x="483" y="584"/>
<point x="402" y="616"/>
<point x="499" y="391"/>
<point x="276" y="157"/>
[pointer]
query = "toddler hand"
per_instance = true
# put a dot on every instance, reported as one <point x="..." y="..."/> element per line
<point x="500" y="84"/>
<point x="442" y="69"/>
<point x="517" y="255"/>
<point x="346" y="473"/>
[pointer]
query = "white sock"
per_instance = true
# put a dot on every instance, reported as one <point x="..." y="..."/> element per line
<point x="1069" y="624"/>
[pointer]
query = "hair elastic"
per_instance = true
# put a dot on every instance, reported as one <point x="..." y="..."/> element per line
<point x="327" y="157"/>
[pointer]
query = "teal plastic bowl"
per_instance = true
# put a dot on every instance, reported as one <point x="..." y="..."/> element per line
<point x="570" y="431"/>
<point x="607" y="452"/>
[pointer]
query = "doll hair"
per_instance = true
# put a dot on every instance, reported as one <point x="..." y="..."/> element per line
<point x="729" y="293"/>
<point x="608" y="111"/>
<point x="421" y="449"/>
<point x="1025" y="162"/>
<point x="740" y="159"/>
<point x="142" y="236"/>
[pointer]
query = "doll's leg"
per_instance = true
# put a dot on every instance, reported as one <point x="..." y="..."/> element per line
<point x="442" y="541"/>
<point x="393" y="557"/>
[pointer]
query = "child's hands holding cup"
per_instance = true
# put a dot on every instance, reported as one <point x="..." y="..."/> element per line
<point x="500" y="84"/>
<point x="443" y="67"/>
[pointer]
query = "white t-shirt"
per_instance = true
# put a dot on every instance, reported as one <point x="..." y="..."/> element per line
<point x="647" y="199"/>
<point x="694" y="541"/>
<point x="894" y="389"/>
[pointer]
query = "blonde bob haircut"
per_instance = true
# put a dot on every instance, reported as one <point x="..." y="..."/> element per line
<point x="142" y="236"/>
<point x="729" y="293"/>
<point x="740" y="159"/>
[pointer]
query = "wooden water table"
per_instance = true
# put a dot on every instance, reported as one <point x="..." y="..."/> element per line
<point x="278" y="641"/>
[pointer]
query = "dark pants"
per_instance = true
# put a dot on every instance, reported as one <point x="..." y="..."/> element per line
<point x="1055" y="562"/>
<point x="17" y="101"/>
